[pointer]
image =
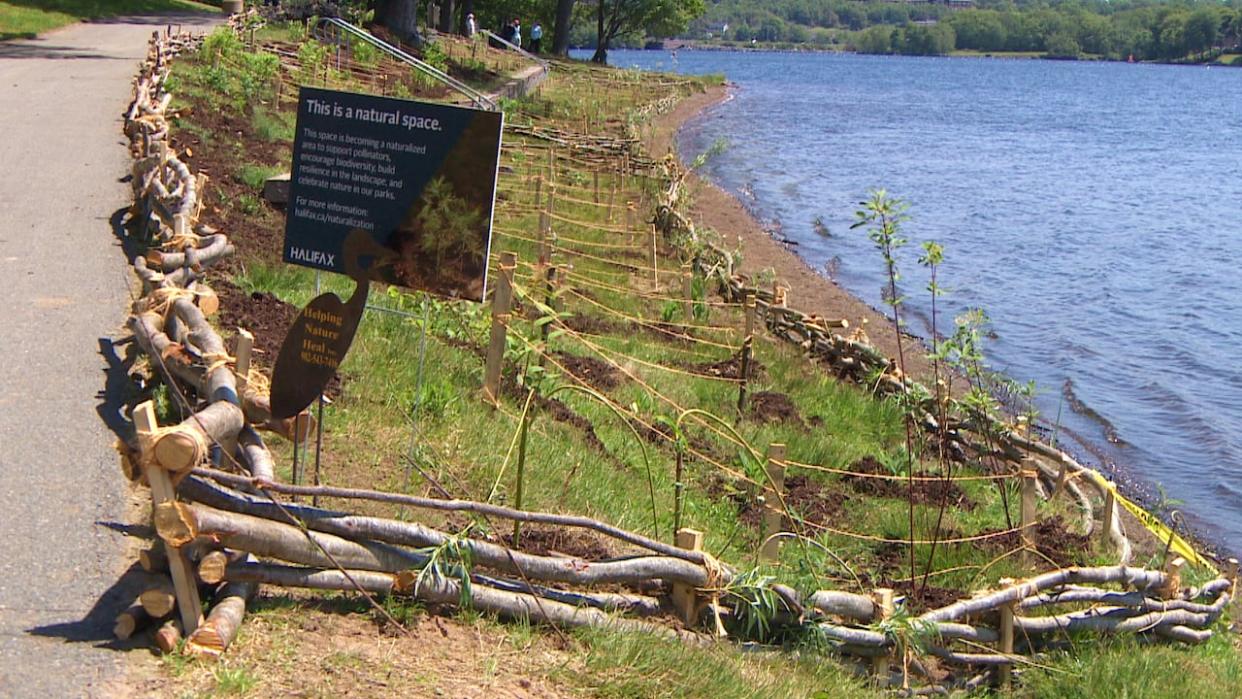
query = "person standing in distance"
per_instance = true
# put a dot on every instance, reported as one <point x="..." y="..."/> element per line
<point x="536" y="37"/>
<point x="471" y="27"/>
<point x="517" y="32"/>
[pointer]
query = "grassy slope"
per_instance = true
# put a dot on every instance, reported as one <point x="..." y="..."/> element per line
<point x="465" y="445"/>
<point x="25" y="19"/>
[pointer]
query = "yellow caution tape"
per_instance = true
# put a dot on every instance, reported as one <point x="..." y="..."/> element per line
<point x="1158" y="529"/>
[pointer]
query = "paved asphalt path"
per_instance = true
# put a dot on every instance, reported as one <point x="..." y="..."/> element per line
<point x="63" y="296"/>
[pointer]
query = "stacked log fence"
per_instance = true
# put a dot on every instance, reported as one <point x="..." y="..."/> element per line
<point x="226" y="525"/>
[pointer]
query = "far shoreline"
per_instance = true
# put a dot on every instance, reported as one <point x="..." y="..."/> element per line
<point x="811" y="292"/>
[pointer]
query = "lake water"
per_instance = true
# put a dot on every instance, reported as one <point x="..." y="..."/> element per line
<point x="1094" y="210"/>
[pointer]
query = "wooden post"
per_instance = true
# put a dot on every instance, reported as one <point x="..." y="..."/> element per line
<point x="595" y="179"/>
<point x="655" y="261"/>
<point x="1110" y="510"/>
<point x="1029" y="496"/>
<point x="551" y="165"/>
<point x="245" y="345"/>
<point x="1005" y="672"/>
<point x="500" y="317"/>
<point x="188" y="603"/>
<point x="745" y="374"/>
<point x="1173" y="579"/>
<point x="749" y="308"/>
<point x="773" y="517"/>
<point x="684" y="599"/>
<point x="687" y="287"/>
<point x="679" y="488"/>
<point x="1062" y="478"/>
<point x="539" y="197"/>
<point x="612" y="198"/>
<point x="629" y="224"/>
<point x="882" y="601"/>
<point x="1231" y="574"/>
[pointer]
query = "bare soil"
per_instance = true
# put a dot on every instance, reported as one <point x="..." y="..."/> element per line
<point x="769" y="407"/>
<point x="815" y="502"/>
<point x="730" y="368"/>
<point x="925" y="492"/>
<point x="599" y="374"/>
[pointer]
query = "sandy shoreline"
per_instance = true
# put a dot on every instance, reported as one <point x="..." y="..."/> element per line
<point x="809" y="291"/>
<point x="812" y="292"/>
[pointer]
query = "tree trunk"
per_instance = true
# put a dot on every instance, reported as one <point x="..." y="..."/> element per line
<point x="446" y="16"/>
<point x="560" y="31"/>
<point x="601" y="41"/>
<point x="399" y="17"/>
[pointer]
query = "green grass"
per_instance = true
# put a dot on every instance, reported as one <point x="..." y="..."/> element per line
<point x="1123" y="669"/>
<point x="25" y="19"/>
<point x="624" y="666"/>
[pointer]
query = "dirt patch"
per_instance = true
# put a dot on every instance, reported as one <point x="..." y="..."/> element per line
<point x="596" y="373"/>
<point x="591" y="325"/>
<point x="925" y="492"/>
<point x="769" y="407"/>
<point x="558" y="411"/>
<point x="296" y="645"/>
<point x="730" y="368"/>
<point x="1053" y="540"/>
<point x="545" y="541"/>
<point x="815" y="502"/>
<point x="259" y="312"/>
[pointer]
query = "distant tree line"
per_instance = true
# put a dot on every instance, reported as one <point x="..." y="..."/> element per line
<point x="1116" y="29"/>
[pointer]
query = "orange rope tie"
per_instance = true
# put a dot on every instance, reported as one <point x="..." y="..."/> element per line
<point x="899" y="478"/>
<point x="651" y="324"/>
<point x="601" y="351"/>
<point x="649" y="295"/>
<point x="636" y="418"/>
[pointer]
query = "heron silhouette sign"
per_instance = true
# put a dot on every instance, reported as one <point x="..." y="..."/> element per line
<point x="387" y="190"/>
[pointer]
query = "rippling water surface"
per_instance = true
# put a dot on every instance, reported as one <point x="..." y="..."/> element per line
<point x="1094" y="210"/>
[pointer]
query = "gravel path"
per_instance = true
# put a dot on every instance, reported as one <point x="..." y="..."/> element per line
<point x="63" y="295"/>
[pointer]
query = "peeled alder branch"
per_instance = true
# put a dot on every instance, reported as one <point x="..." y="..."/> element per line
<point x="212" y="249"/>
<point x="1132" y="577"/>
<point x="177" y="523"/>
<point x="480" y="508"/>
<point x="577" y="571"/>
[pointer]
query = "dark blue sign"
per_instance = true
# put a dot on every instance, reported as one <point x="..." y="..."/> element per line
<point x="419" y="178"/>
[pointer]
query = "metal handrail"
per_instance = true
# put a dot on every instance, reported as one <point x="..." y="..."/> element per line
<point x="478" y="98"/>
<point x="544" y="64"/>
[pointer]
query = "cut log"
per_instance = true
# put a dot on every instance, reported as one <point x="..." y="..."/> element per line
<point x="154" y="560"/>
<point x="183" y="449"/>
<point x="211" y="567"/>
<point x="159" y="601"/>
<point x="224" y="620"/>
<point x="168" y="637"/>
<point x="178" y="523"/>
<point x="135" y="618"/>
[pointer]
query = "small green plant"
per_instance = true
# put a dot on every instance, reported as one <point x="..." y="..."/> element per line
<point x="234" y="680"/>
<point x="755" y="603"/>
<point x="718" y="147"/>
<point x="312" y="60"/>
<point x="366" y="54"/>
<point x="452" y="559"/>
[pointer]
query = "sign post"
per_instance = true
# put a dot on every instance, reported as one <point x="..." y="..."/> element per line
<point x="387" y="190"/>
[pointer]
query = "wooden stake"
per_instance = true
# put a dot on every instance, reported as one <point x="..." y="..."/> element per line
<point x="188" y="603"/>
<point x="1005" y="672"/>
<point x="882" y="599"/>
<point x="749" y="306"/>
<point x="500" y="317"/>
<point x="773" y="518"/>
<point x="245" y="345"/>
<point x="687" y="287"/>
<point x="684" y="598"/>
<point x="595" y="179"/>
<point x="1173" y="583"/>
<point x="747" y="349"/>
<point x="1062" y="478"/>
<point x="1029" y="496"/>
<point x="655" y="262"/>
<point x="612" y="199"/>
<point x="1110" y="510"/>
